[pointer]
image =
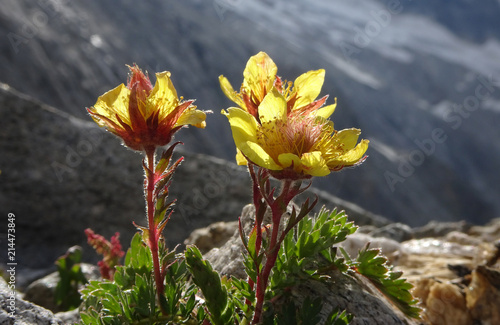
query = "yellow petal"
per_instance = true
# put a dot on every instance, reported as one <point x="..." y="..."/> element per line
<point x="192" y="117"/>
<point x="326" y="111"/>
<point x="349" y="137"/>
<point x="308" y="86"/>
<point x="243" y="125"/>
<point x="272" y="107"/>
<point x="258" y="155"/>
<point x="354" y="155"/>
<point x="228" y="90"/>
<point x="314" y="164"/>
<point x="114" y="102"/>
<point x="240" y="158"/>
<point x="259" y="74"/>
<point x="163" y="96"/>
<point x="287" y="159"/>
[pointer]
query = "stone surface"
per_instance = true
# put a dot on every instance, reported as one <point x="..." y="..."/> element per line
<point x="456" y="276"/>
<point x="357" y="241"/>
<point x="215" y="235"/>
<point x="69" y="317"/>
<point x="438" y="229"/>
<point x="483" y="295"/>
<point x="42" y="291"/>
<point x="26" y="313"/>
<point x="395" y="231"/>
<point x="445" y="303"/>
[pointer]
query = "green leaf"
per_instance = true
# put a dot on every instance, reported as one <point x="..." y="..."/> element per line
<point x="339" y="319"/>
<point x="217" y="299"/>
<point x="309" y="313"/>
<point x="374" y="266"/>
<point x="66" y="294"/>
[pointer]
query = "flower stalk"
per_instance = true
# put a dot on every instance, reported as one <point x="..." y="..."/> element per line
<point x="146" y="117"/>
<point x="283" y="131"/>
<point x="264" y="200"/>
<point x="152" y="227"/>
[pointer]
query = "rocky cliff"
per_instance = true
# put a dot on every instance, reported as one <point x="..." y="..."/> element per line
<point x="419" y="78"/>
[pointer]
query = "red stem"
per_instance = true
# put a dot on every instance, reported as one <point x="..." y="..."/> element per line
<point x="278" y="208"/>
<point x="153" y="231"/>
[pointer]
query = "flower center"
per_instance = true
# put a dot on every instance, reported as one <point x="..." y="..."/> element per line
<point x="295" y="134"/>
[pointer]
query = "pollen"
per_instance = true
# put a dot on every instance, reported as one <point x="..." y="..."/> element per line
<point x="297" y="135"/>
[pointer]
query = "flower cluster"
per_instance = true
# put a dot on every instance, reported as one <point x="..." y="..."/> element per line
<point x="281" y="126"/>
<point x="281" y="130"/>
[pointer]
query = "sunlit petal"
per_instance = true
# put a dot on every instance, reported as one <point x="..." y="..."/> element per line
<point x="259" y="74"/>
<point x="192" y="116"/>
<point x="114" y="102"/>
<point x="348" y="137"/>
<point x="240" y="158"/>
<point x="327" y="111"/>
<point x="273" y="107"/>
<point x="142" y="115"/>
<point x="308" y="87"/>
<point x="243" y="125"/>
<point x="314" y="164"/>
<point x="352" y="156"/>
<point x="256" y="154"/>
<point x="228" y="90"/>
<point x="289" y="159"/>
<point x="163" y="95"/>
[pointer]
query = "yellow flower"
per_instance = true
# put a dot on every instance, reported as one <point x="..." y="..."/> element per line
<point x="142" y="115"/>
<point x="288" y="132"/>
<point x="260" y="77"/>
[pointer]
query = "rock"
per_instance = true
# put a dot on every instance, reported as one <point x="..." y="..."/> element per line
<point x="445" y="303"/>
<point x="26" y="313"/>
<point x="395" y="231"/>
<point x="357" y="241"/>
<point x="489" y="232"/>
<point x="69" y="317"/>
<point x="438" y="229"/>
<point x="228" y="259"/>
<point x="355" y="294"/>
<point x="456" y="276"/>
<point x="431" y="257"/>
<point x="462" y="239"/>
<point x="42" y="291"/>
<point x="438" y="247"/>
<point x="215" y="235"/>
<point x="483" y="295"/>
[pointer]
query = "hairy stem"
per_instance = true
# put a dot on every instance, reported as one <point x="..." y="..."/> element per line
<point x="153" y="231"/>
<point x="278" y="208"/>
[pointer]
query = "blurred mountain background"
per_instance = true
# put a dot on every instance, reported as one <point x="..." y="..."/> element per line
<point x="421" y="79"/>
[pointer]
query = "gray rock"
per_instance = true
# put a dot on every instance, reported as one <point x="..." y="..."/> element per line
<point x="42" y="291"/>
<point x="395" y="231"/>
<point x="69" y="317"/>
<point x="357" y="241"/>
<point x="440" y="229"/>
<point x="25" y="313"/>
<point x="215" y="235"/>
